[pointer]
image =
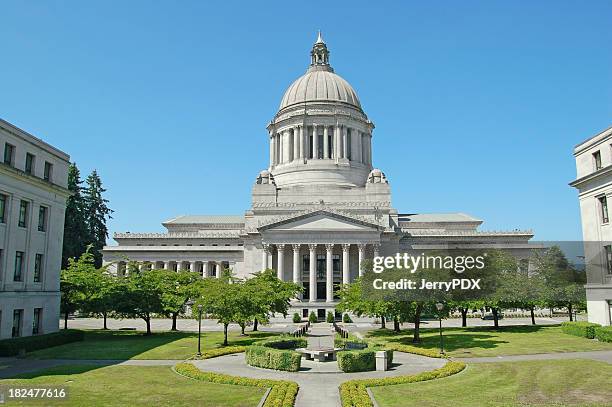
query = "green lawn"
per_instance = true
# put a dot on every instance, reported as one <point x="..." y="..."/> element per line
<point x="134" y="386"/>
<point x="136" y="345"/>
<point x="533" y="383"/>
<point x="485" y="341"/>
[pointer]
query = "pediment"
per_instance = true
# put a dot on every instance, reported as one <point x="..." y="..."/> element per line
<point x="321" y="221"/>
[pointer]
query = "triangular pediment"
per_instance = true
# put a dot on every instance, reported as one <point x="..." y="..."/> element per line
<point x="321" y="221"/>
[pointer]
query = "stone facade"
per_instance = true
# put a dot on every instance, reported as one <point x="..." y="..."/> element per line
<point x="33" y="193"/>
<point x="594" y="184"/>
<point x="317" y="211"/>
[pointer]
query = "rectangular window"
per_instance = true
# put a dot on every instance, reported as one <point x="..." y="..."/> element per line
<point x="320" y="266"/>
<point x="349" y="153"/>
<point x="3" y="201"/>
<point x="38" y="265"/>
<point x="310" y="147"/>
<point x="48" y="173"/>
<point x="597" y="160"/>
<point x="42" y="219"/>
<point x="336" y="262"/>
<point x="37" y="321"/>
<point x="23" y="214"/>
<point x="17" y="318"/>
<point x="330" y="140"/>
<point x="306" y="262"/>
<point x="29" y="163"/>
<point x="18" y="266"/>
<point x="9" y="153"/>
<point x="603" y="207"/>
<point x="608" y="252"/>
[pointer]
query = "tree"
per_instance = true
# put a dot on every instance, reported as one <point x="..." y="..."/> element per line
<point x="75" y="225"/>
<point x="102" y="293"/>
<point x="97" y="213"/>
<point x="74" y="282"/>
<point x="177" y="289"/>
<point x="220" y="297"/>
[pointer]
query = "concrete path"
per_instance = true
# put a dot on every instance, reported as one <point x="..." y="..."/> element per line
<point x="601" y="355"/>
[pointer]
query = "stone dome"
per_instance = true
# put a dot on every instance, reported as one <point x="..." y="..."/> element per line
<point x="320" y="85"/>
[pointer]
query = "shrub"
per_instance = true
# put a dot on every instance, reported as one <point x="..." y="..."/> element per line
<point x="11" y="347"/>
<point x="312" y="317"/>
<point x="270" y="358"/>
<point x="283" y="342"/>
<point x="213" y="353"/>
<point x="432" y="353"/>
<point x="330" y="317"/>
<point x="282" y="393"/>
<point x="360" y="360"/>
<point x="340" y="342"/>
<point x="296" y="318"/>
<point x="603" y="333"/>
<point x="584" y="329"/>
<point x="346" y="319"/>
<point x="353" y="393"/>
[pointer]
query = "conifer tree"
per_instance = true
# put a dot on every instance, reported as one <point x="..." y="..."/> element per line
<point x="75" y="226"/>
<point x="97" y="213"/>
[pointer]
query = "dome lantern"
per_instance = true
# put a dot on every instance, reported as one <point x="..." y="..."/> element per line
<point x="319" y="56"/>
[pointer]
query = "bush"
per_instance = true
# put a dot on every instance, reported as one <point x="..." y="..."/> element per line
<point x="432" y="353"/>
<point x="312" y="317"/>
<point x="330" y="317"/>
<point x="282" y="393"/>
<point x="354" y="394"/>
<point x="270" y="358"/>
<point x="213" y="353"/>
<point x="603" y="333"/>
<point x="297" y="318"/>
<point x="283" y="342"/>
<point x="11" y="347"/>
<point x="340" y="342"/>
<point x="584" y="329"/>
<point x="346" y="319"/>
<point x="360" y="360"/>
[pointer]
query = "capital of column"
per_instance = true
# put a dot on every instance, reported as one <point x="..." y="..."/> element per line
<point x="329" y="247"/>
<point x="296" y="247"/>
<point x="362" y="247"/>
<point x="312" y="247"/>
<point x="280" y="247"/>
<point x="346" y="248"/>
<point x="266" y="247"/>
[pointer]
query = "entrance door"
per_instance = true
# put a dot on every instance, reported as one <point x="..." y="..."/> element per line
<point x="321" y="314"/>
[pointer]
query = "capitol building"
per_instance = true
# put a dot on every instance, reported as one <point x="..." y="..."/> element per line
<point x="318" y="209"/>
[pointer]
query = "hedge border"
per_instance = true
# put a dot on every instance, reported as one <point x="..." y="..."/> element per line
<point x="603" y="333"/>
<point x="579" y="328"/>
<point x="282" y="392"/>
<point x="213" y="353"/>
<point x="353" y="393"/>
<point x="12" y="346"/>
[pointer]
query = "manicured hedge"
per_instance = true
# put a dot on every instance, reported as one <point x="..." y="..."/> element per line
<point x="270" y="358"/>
<point x="283" y="342"/>
<point x="282" y="393"/>
<point x="603" y="333"/>
<point x="227" y="350"/>
<point x="432" y="353"/>
<point x="360" y="360"/>
<point x="353" y="392"/>
<point x="11" y="347"/>
<point x="584" y="329"/>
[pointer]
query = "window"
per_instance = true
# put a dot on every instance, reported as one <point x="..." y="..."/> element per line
<point x="9" y="153"/>
<point x="597" y="160"/>
<point x="336" y="262"/>
<point x="603" y="207"/>
<point x="36" y="321"/>
<point x="29" y="164"/>
<point x="310" y="147"/>
<point x="320" y="266"/>
<point x="48" y="173"/>
<point x="38" y="264"/>
<point x="18" y="266"/>
<point x="330" y="141"/>
<point x="42" y="219"/>
<point x="17" y="318"/>
<point x="608" y="251"/>
<point x="349" y="153"/>
<point x="3" y="200"/>
<point x="23" y="214"/>
<point x="306" y="262"/>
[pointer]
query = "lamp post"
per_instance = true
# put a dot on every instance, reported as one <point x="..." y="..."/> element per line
<point x="440" y="307"/>
<point x="199" y="354"/>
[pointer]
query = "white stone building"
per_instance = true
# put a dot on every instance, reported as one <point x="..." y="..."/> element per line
<point x="594" y="184"/>
<point x="33" y="193"/>
<point x="317" y="210"/>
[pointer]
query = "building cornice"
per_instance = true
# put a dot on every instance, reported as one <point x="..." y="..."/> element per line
<point x="589" y="177"/>
<point x="33" y="180"/>
<point x="35" y="141"/>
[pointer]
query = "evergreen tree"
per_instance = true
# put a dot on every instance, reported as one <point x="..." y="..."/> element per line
<point x="97" y="213"/>
<point x="75" y="226"/>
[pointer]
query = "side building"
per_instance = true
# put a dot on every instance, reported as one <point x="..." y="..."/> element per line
<point x="33" y="193"/>
<point x="594" y="184"/>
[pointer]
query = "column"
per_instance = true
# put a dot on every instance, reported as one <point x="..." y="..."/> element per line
<point x="329" y="277"/>
<point x="280" y="268"/>
<point x="357" y="144"/>
<point x="315" y="142"/>
<point x="192" y="267"/>
<point x="286" y="146"/>
<point x="312" y="275"/>
<point x="264" y="257"/>
<point x="296" y="143"/>
<point x="205" y="270"/>
<point x="376" y="250"/>
<point x="281" y="156"/>
<point x="178" y="265"/>
<point x="272" y="150"/>
<point x="302" y="146"/>
<point x="325" y="142"/>
<point x="346" y="271"/>
<point x="218" y="269"/>
<point x="344" y="142"/>
<point x="296" y="265"/>
<point x="337" y="147"/>
<point x="361" y="248"/>
<point x="167" y="265"/>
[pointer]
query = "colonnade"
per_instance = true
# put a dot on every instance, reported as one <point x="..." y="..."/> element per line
<point x="205" y="268"/>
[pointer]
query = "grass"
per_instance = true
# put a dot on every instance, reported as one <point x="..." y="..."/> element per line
<point x="485" y="341"/>
<point x="133" y="386"/>
<point x="135" y="345"/>
<point x="532" y="383"/>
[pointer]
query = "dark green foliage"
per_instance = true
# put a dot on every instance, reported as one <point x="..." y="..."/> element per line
<point x="76" y="236"/>
<point x="297" y="318"/>
<point x="357" y="360"/>
<point x="312" y="317"/>
<point x="269" y="358"/>
<point x="283" y="342"/>
<point x="346" y="319"/>
<point x="603" y="333"/>
<point x="11" y="347"/>
<point x="97" y="213"/>
<point x="330" y="317"/>
<point x="584" y="329"/>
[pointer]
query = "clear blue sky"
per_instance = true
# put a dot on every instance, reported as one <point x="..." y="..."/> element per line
<point x="477" y="104"/>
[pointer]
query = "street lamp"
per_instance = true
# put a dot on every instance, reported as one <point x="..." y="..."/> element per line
<point x="199" y="354"/>
<point x="440" y="307"/>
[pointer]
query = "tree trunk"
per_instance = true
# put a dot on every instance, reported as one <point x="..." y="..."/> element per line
<point x="242" y="329"/>
<point x="382" y="322"/>
<point x="396" y="325"/>
<point x="174" y="315"/>
<point x="104" y="316"/>
<point x="532" y="315"/>
<point x="225" y="334"/>
<point x="495" y="317"/>
<point x="148" y="321"/>
<point x="255" y="324"/>
<point x="66" y="320"/>
<point x="569" y="309"/>
<point x="417" y="324"/>
<point x="464" y="312"/>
